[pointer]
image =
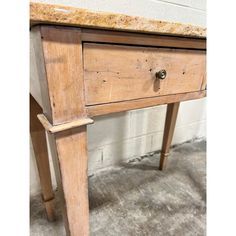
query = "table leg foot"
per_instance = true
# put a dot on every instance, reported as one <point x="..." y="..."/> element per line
<point x="171" y="116"/>
<point x="38" y="137"/>
<point x="69" y="150"/>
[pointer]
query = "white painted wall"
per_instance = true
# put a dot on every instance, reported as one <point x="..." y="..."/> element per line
<point x="122" y="136"/>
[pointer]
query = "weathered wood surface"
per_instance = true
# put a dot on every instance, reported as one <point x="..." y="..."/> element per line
<point x="38" y="137"/>
<point x="116" y="37"/>
<point x="62" y="50"/>
<point x="115" y="73"/>
<point x="58" y="128"/>
<point x="104" y="109"/>
<point x="99" y="79"/>
<point x="69" y="152"/>
<point x="171" y="117"/>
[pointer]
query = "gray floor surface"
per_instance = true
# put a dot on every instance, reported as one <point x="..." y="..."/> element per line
<point x="137" y="199"/>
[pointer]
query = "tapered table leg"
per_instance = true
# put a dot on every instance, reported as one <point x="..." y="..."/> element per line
<point x="38" y="137"/>
<point x="69" y="150"/>
<point x="171" y="116"/>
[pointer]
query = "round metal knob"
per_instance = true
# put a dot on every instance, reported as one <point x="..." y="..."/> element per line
<point x="161" y="74"/>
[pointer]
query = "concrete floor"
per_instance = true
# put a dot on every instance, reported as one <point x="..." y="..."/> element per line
<point x="137" y="199"/>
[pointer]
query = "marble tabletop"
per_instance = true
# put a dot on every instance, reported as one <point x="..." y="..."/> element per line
<point x="41" y="13"/>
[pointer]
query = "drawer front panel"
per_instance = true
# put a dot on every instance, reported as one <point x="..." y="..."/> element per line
<point x="114" y="73"/>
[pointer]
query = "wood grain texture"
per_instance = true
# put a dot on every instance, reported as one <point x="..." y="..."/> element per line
<point x="204" y="83"/>
<point x="38" y="138"/>
<point x="69" y="151"/>
<point x="105" y="36"/>
<point x="171" y="117"/>
<point x="38" y="77"/>
<point x="63" y="61"/>
<point x="58" y="128"/>
<point x="105" y="109"/>
<point x="115" y="73"/>
<point x="80" y="79"/>
<point x="34" y="75"/>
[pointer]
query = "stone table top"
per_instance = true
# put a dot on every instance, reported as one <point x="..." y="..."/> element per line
<point x="41" y="13"/>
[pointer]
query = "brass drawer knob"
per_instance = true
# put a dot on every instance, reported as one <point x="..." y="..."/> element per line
<point x="161" y="74"/>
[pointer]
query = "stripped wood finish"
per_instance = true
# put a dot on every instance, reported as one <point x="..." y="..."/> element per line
<point x="64" y="104"/>
<point x="105" y="36"/>
<point x="109" y="108"/>
<point x="171" y="117"/>
<point x="82" y="73"/>
<point x="58" y="128"/>
<point x="115" y="73"/>
<point x="62" y="50"/>
<point x="38" y="76"/>
<point x="38" y="137"/>
<point x="69" y="152"/>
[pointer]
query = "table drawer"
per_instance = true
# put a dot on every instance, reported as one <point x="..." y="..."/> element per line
<point x="114" y="73"/>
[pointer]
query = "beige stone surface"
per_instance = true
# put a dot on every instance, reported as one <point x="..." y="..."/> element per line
<point x="64" y="15"/>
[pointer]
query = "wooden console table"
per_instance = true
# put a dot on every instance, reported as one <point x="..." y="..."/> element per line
<point x="88" y="64"/>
